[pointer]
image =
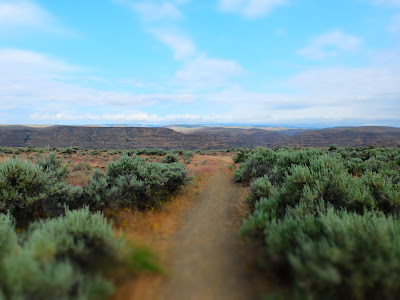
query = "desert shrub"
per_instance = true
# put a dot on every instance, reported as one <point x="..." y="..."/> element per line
<point x="187" y="156"/>
<point x="338" y="255"/>
<point x="86" y="239"/>
<point x="65" y="257"/>
<point x="68" y="150"/>
<point x="258" y="164"/>
<point x="134" y="181"/>
<point x="52" y="164"/>
<point x="241" y="155"/>
<point x="259" y="188"/>
<point x="151" y="151"/>
<point x="96" y="192"/>
<point x="8" y="237"/>
<point x="385" y="193"/>
<point x="81" y="166"/>
<point x="327" y="219"/>
<point x="28" y="191"/>
<point x="170" y="158"/>
<point x="5" y="150"/>
<point x="116" y="151"/>
<point x="94" y="152"/>
<point x="62" y="258"/>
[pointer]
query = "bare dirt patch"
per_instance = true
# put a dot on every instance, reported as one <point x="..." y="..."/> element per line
<point x="208" y="260"/>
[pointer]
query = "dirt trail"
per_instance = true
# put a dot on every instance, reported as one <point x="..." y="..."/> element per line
<point x="207" y="262"/>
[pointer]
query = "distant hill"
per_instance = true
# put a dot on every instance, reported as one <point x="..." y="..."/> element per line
<point x="103" y="137"/>
<point x="349" y="136"/>
<point x="195" y="138"/>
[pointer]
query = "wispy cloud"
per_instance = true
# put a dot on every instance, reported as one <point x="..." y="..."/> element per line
<point x="27" y="15"/>
<point x="179" y="43"/>
<point x="250" y="8"/>
<point x="152" y="11"/>
<point x="134" y="117"/>
<point x="14" y="60"/>
<point x="203" y="72"/>
<point x="330" y="44"/>
<point x="35" y="91"/>
<point x="37" y="81"/>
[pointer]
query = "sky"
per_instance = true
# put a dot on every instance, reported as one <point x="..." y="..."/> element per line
<point x="300" y="63"/>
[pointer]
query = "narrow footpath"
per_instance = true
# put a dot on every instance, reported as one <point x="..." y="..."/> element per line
<point x="207" y="260"/>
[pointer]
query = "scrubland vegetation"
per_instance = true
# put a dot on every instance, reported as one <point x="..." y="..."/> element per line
<point x="328" y="220"/>
<point x="55" y="241"/>
<point x="325" y="221"/>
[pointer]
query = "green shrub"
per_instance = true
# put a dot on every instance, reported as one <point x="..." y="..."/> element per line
<point x="69" y="150"/>
<point x="337" y="255"/>
<point x="8" y="237"/>
<point x="187" y="156"/>
<point x="62" y="258"/>
<point x="241" y="155"/>
<point x="259" y="188"/>
<point x="83" y="238"/>
<point x="54" y="165"/>
<point x="328" y="219"/>
<point x="28" y="191"/>
<point x="258" y="164"/>
<point x="150" y="151"/>
<point x="81" y="166"/>
<point x="170" y="158"/>
<point x="66" y="258"/>
<point x="135" y="181"/>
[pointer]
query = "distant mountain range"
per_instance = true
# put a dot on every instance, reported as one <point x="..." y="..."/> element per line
<point x="195" y="137"/>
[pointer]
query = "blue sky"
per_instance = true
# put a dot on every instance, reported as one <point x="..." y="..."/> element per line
<point x="268" y="62"/>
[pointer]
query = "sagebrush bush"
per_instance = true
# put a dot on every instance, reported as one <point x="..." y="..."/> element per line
<point x="54" y="165"/>
<point x="328" y="219"/>
<point x="85" y="239"/>
<point x="8" y="237"/>
<point x="62" y="258"/>
<point x="136" y="182"/>
<point x="338" y="255"/>
<point x="170" y="158"/>
<point x="259" y="188"/>
<point x="29" y="191"/>
<point x="150" y="151"/>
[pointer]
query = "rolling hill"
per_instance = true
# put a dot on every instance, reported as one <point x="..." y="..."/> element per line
<point x="196" y="138"/>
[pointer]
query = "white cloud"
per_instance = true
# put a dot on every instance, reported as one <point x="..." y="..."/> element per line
<point x="250" y="8"/>
<point x="22" y="13"/>
<point x="203" y="72"/>
<point x="340" y="85"/>
<point x="154" y="11"/>
<point x="330" y="44"/>
<point x="15" y="59"/>
<point x="35" y="81"/>
<point x="181" y="45"/>
<point x="134" y="117"/>
<point x="28" y="15"/>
